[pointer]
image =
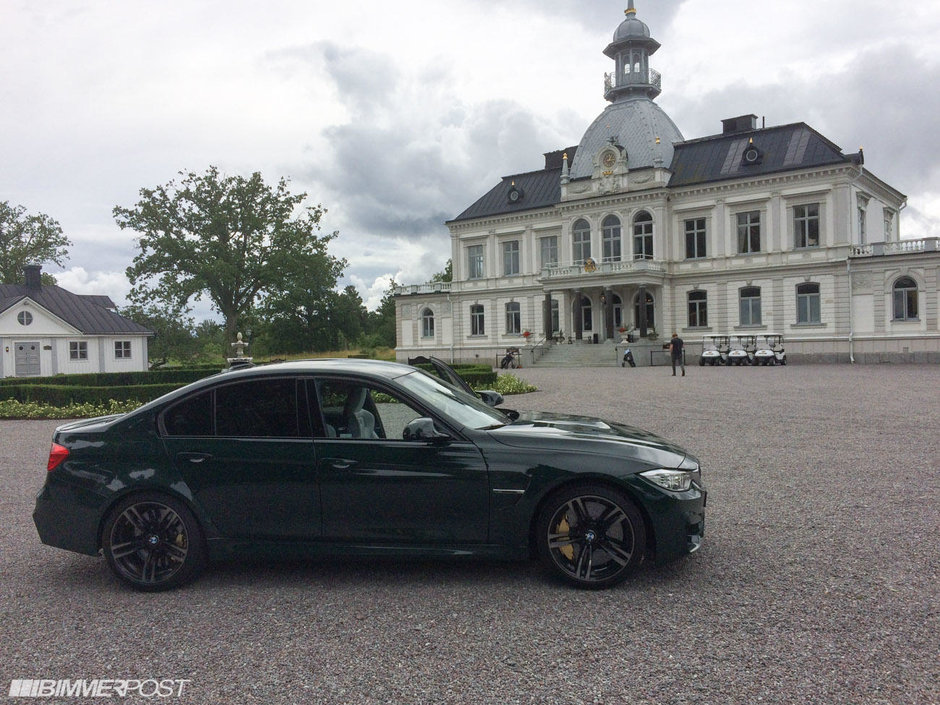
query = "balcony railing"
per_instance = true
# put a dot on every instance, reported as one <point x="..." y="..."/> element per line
<point x="625" y="266"/>
<point x="429" y="288"/>
<point x="899" y="247"/>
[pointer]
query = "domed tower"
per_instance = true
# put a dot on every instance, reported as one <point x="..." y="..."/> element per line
<point x="633" y="132"/>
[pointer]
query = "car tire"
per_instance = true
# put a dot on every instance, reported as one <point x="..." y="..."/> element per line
<point x="591" y="536"/>
<point x="152" y="542"/>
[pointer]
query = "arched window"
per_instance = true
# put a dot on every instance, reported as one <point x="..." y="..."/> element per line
<point x="610" y="231"/>
<point x="807" y="303"/>
<point x="750" y="306"/>
<point x="643" y="236"/>
<point x="513" y="318"/>
<point x="581" y="241"/>
<point x="905" y="299"/>
<point x="427" y="323"/>
<point x="698" y="309"/>
<point x="650" y="309"/>
<point x="476" y="320"/>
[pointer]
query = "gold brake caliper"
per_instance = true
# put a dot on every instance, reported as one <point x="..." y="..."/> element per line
<point x="564" y="528"/>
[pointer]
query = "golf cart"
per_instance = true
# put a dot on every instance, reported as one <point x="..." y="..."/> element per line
<point x="714" y="350"/>
<point x="771" y="351"/>
<point x="738" y="355"/>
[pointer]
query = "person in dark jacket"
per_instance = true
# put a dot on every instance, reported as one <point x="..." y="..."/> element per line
<point x="675" y="347"/>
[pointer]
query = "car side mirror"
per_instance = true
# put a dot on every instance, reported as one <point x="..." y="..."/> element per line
<point x="490" y="397"/>
<point x="423" y="429"/>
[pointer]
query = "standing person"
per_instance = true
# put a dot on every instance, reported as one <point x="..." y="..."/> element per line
<point x="675" y="346"/>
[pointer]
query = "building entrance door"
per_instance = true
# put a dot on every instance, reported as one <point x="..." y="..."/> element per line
<point x="26" y="360"/>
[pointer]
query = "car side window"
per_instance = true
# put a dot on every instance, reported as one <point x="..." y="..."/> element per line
<point x="361" y="411"/>
<point x="191" y="417"/>
<point x="261" y="408"/>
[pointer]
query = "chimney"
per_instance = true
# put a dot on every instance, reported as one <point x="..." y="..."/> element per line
<point x="33" y="273"/>
<point x="744" y="123"/>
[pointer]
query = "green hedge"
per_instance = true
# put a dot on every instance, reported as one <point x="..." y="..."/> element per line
<point x="117" y="379"/>
<point x="65" y="394"/>
<point x="62" y="390"/>
<point x="474" y="374"/>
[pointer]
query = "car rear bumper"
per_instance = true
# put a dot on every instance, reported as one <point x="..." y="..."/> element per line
<point x="64" y="521"/>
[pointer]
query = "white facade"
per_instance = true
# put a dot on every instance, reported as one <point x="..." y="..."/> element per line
<point x="750" y="231"/>
<point x="45" y="331"/>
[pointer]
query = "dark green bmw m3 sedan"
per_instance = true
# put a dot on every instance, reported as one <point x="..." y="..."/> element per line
<point x="362" y="458"/>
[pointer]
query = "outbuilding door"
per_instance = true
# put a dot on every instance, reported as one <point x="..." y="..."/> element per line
<point x="26" y="359"/>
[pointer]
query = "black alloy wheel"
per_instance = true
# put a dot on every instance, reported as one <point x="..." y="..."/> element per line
<point x="591" y="536"/>
<point x="152" y="542"/>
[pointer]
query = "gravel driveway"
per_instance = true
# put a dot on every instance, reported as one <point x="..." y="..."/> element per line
<point x="817" y="582"/>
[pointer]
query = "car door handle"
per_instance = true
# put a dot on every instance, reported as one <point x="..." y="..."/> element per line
<point x="194" y="457"/>
<point x="342" y="463"/>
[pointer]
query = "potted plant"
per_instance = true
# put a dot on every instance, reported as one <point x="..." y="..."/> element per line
<point x="526" y="334"/>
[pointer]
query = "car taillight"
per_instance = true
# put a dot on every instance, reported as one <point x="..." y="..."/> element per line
<point x="56" y="455"/>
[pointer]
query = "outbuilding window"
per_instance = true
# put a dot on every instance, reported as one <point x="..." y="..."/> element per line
<point x="78" y="350"/>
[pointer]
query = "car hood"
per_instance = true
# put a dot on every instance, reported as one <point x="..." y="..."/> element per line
<point x="563" y="432"/>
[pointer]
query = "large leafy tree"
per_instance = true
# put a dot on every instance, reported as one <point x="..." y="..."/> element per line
<point x="381" y="322"/>
<point x="28" y="239"/>
<point x="235" y="240"/>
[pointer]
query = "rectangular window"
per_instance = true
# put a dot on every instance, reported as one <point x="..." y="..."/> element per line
<point x="750" y="306"/>
<point x="610" y="235"/>
<point x="749" y="232"/>
<point x="807" y="303"/>
<point x="695" y="238"/>
<point x="476" y="320"/>
<point x="889" y="225"/>
<point x="510" y="258"/>
<point x="475" y="262"/>
<point x="556" y="327"/>
<point x="806" y="225"/>
<point x="78" y="350"/>
<point x="548" y="252"/>
<point x="122" y="349"/>
<point x="582" y="245"/>
<point x="513" y="318"/>
<point x="862" y="234"/>
<point x="698" y="309"/>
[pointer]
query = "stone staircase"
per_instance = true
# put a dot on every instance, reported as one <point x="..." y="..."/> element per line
<point x="580" y="355"/>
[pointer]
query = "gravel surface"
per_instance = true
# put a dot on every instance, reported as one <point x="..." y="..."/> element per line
<point x="817" y="581"/>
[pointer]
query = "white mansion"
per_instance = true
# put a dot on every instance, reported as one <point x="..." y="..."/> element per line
<point x="755" y="230"/>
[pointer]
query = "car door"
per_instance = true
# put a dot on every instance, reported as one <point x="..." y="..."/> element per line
<point x="245" y="449"/>
<point x="376" y="486"/>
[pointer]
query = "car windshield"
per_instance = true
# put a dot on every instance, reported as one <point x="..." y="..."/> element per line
<point x="465" y="409"/>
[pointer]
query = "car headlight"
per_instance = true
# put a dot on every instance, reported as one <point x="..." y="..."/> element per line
<point x="674" y="480"/>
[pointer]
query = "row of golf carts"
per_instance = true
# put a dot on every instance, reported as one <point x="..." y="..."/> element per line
<point x="743" y="350"/>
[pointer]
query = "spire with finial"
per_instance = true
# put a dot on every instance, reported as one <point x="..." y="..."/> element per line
<point x="631" y="51"/>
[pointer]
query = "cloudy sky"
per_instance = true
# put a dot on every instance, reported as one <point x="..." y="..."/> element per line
<point x="396" y="116"/>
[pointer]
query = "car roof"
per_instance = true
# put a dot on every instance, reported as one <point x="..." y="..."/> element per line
<point x="377" y="368"/>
